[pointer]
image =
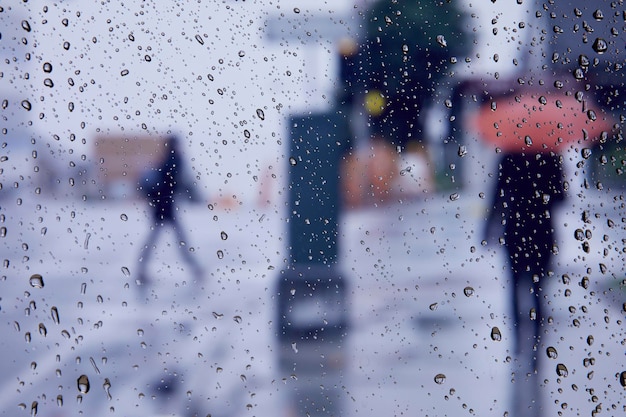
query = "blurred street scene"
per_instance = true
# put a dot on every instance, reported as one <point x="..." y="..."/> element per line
<point x="336" y="254"/>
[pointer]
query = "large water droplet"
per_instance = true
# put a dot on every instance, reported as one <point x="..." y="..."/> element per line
<point x="622" y="379"/>
<point x="598" y="15"/>
<point x="551" y="352"/>
<point x="496" y="335"/>
<point x="107" y="388"/>
<point x="48" y="82"/>
<point x="441" y="40"/>
<point x="54" y="313"/>
<point x="26" y="105"/>
<point x="600" y="45"/>
<point x="468" y="291"/>
<point x="440" y="378"/>
<point x="42" y="329"/>
<point x="36" y="281"/>
<point x="26" y="25"/>
<point x="47" y="67"/>
<point x="561" y="370"/>
<point x="223" y="235"/>
<point x="83" y="384"/>
<point x="260" y="114"/>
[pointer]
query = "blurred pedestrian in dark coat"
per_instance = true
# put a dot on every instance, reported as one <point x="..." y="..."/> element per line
<point x="528" y="189"/>
<point x="161" y="187"/>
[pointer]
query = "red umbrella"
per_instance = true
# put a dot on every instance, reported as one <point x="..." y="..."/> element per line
<point x="539" y="122"/>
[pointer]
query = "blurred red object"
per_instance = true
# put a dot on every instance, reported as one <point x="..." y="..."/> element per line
<point x="539" y="122"/>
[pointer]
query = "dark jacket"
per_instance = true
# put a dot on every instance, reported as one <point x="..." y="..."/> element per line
<point x="528" y="188"/>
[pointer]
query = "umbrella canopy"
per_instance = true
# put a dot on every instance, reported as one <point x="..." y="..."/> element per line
<point x="538" y="122"/>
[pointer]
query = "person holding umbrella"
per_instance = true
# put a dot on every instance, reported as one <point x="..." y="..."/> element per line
<point x="529" y="128"/>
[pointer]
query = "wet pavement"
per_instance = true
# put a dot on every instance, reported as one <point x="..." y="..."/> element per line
<point x="424" y="297"/>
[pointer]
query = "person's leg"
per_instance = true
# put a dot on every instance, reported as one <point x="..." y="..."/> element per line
<point x="526" y="393"/>
<point x="182" y="243"/>
<point x="146" y="253"/>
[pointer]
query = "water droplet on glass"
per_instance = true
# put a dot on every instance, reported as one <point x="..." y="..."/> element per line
<point x="33" y="408"/>
<point x="600" y="45"/>
<point x="598" y="15"/>
<point x="543" y="100"/>
<point x="48" y="83"/>
<point x="590" y="340"/>
<point x="241" y="54"/>
<point x="26" y="105"/>
<point x="551" y="352"/>
<point x="462" y="151"/>
<point x="561" y="370"/>
<point x="441" y="40"/>
<point x="454" y="196"/>
<point x="47" y="67"/>
<point x="223" y="235"/>
<point x="237" y="319"/>
<point x="36" y="281"/>
<point x="26" y="25"/>
<point x="591" y="115"/>
<point x="260" y="114"/>
<point x="220" y="254"/>
<point x="125" y="271"/>
<point x="292" y="161"/>
<point x="440" y="378"/>
<point x="433" y="306"/>
<point x="42" y="329"/>
<point x="60" y="400"/>
<point x="528" y="141"/>
<point x="83" y="384"/>
<point x="468" y="291"/>
<point x="495" y="334"/>
<point x="124" y="72"/>
<point x="107" y="388"/>
<point x="200" y="40"/>
<point x="54" y="312"/>
<point x="296" y="10"/>
<point x="66" y="45"/>
<point x="622" y="379"/>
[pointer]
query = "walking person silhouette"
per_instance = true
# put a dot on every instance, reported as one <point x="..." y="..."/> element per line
<point x="528" y="188"/>
<point x="161" y="187"/>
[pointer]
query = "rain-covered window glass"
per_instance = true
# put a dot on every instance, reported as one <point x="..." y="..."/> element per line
<point x="312" y="208"/>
